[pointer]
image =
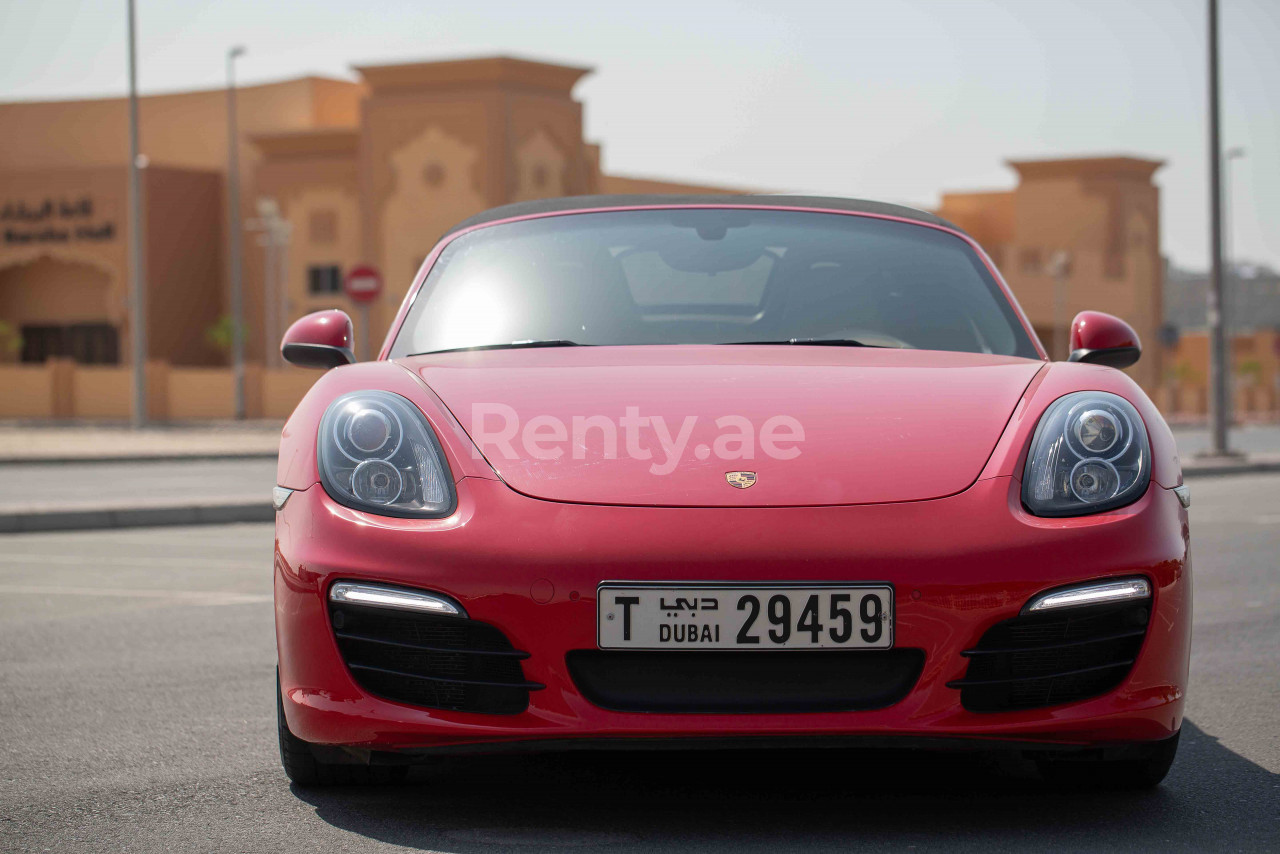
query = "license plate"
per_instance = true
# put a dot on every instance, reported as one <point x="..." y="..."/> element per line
<point x="744" y="617"/>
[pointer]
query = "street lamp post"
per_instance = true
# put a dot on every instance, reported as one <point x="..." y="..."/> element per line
<point x="1218" y="392"/>
<point x="1229" y="279"/>
<point x="137" y="254"/>
<point x="1234" y="153"/>
<point x="233" y="229"/>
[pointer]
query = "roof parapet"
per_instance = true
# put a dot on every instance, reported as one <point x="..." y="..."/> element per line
<point x="496" y="71"/>
<point x="1082" y="167"/>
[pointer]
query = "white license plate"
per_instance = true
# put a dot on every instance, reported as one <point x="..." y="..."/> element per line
<point x="744" y="616"/>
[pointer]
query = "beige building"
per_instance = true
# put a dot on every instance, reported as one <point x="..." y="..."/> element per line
<point x="1075" y="235"/>
<point x="372" y="172"/>
<point x="435" y="143"/>
<point x="369" y="172"/>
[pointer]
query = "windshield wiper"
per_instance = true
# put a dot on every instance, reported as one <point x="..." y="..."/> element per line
<point x="511" y="345"/>
<point x="812" y="342"/>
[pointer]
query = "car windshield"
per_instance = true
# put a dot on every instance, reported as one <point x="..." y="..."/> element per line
<point x="711" y="276"/>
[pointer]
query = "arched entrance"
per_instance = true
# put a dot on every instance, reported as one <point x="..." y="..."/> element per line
<point x="59" y="308"/>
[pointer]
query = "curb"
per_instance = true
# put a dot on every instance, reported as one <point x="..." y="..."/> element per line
<point x="134" y="516"/>
<point x="1219" y="470"/>
<point x="141" y="458"/>
<point x="101" y="517"/>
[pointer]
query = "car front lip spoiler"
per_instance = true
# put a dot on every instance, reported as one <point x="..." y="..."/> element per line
<point x="941" y="744"/>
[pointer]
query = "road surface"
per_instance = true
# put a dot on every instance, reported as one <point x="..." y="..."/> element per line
<point x="138" y="715"/>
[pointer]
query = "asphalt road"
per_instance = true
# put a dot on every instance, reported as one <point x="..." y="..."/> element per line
<point x="136" y="714"/>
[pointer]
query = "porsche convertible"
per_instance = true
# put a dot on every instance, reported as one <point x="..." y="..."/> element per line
<point x="716" y="472"/>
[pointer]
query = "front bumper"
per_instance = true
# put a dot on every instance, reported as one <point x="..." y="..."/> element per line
<point x="530" y="567"/>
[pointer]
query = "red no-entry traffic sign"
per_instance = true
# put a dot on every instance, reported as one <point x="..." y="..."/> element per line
<point x="363" y="283"/>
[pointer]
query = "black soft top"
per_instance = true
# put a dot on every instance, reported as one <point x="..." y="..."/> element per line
<point x="573" y="203"/>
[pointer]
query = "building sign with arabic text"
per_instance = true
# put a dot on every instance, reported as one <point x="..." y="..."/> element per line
<point x="53" y="221"/>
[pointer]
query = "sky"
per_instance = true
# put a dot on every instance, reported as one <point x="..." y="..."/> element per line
<point x="896" y="100"/>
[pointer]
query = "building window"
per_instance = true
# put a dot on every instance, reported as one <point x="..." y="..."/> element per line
<point x="322" y="227"/>
<point x="86" y="343"/>
<point x="324" y="279"/>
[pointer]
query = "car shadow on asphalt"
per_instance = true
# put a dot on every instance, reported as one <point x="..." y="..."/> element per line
<point x="835" y="798"/>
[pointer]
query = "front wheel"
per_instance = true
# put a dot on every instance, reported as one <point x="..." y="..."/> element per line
<point x="1143" y="772"/>
<point x="305" y="770"/>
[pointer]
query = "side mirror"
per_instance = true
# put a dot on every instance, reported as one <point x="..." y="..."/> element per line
<point x="322" y="339"/>
<point x="1103" y="339"/>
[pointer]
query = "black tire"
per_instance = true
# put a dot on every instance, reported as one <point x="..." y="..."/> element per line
<point x="305" y="770"/>
<point x="1144" y="772"/>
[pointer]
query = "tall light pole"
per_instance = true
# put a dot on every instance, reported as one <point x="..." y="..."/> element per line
<point x="1218" y="392"/>
<point x="137" y="255"/>
<point x="235" y="262"/>
<point x="1235" y="153"/>
<point x="1230" y="282"/>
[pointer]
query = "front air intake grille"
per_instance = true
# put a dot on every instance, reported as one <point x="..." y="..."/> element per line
<point x="1057" y="657"/>
<point x="729" y="681"/>
<point x="431" y="660"/>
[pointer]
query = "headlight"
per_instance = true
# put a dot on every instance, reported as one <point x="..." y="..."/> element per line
<point x="1089" y="453"/>
<point x="377" y="453"/>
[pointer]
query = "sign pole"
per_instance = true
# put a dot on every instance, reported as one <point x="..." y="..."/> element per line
<point x="366" y="331"/>
<point x="363" y="286"/>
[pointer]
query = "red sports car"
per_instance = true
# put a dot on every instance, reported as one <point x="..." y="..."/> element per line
<point x="725" y="471"/>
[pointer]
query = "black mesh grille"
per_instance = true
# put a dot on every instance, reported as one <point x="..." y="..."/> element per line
<point x="730" y="681"/>
<point x="432" y="661"/>
<point x="1048" y="659"/>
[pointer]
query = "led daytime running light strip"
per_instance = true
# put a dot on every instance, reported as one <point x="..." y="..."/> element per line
<point x="1090" y="594"/>
<point x="392" y="597"/>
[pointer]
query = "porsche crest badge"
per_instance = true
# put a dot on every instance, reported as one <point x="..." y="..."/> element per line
<point x="741" y="479"/>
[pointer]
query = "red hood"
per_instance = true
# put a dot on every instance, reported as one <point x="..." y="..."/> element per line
<point x="879" y="425"/>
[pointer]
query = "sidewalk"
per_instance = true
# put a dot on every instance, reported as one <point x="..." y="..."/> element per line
<point x="53" y="442"/>
<point x="61" y="477"/>
<point x="1194" y="466"/>
<point x="1251" y="439"/>
<point x="70" y="495"/>
<point x="1257" y="444"/>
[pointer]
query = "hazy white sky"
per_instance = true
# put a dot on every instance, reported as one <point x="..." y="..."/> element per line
<point x="896" y="100"/>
